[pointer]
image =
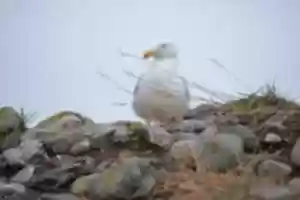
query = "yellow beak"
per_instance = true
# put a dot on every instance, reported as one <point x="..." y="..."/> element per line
<point x="148" y="54"/>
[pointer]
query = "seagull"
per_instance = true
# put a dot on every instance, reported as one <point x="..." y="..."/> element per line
<point x="161" y="96"/>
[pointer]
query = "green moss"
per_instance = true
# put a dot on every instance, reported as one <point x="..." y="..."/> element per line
<point x="61" y="114"/>
<point x="138" y="139"/>
<point x="6" y="112"/>
<point x="10" y="121"/>
<point x="57" y="116"/>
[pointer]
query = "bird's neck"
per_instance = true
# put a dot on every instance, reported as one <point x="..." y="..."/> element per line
<point x="163" y="66"/>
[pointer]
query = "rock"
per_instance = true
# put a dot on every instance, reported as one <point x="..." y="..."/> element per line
<point x="24" y="175"/>
<point x="65" y="161"/>
<point x="295" y="154"/>
<point x="63" y="132"/>
<point x="11" y="188"/>
<point x="83" y="164"/>
<point x="14" y="191"/>
<point x="272" y="138"/>
<point x="26" y="152"/>
<point x="210" y="131"/>
<point x="201" y="112"/>
<point x="273" y="143"/>
<point x="128" y="180"/>
<point x="161" y="137"/>
<point x="272" y="192"/>
<point x="191" y="125"/>
<point x="63" y="143"/>
<point x="104" y="165"/>
<point x="220" y="152"/>
<point x="182" y="149"/>
<point x="274" y="169"/>
<point x="294" y="185"/>
<point x="62" y="120"/>
<point x="30" y="148"/>
<point x="82" y="184"/>
<point x="87" y="164"/>
<point x="101" y="138"/>
<point x="14" y="156"/>
<point x="59" y="175"/>
<point x="52" y="180"/>
<point x="38" y="134"/>
<point x="10" y="122"/>
<point x="8" y="169"/>
<point x="81" y="147"/>
<point x="70" y="122"/>
<point x="12" y="140"/>
<point x="251" y="142"/>
<point x="63" y="196"/>
<point x="275" y="122"/>
<point x="160" y="175"/>
<point x="130" y="135"/>
<point x="184" y="136"/>
<point x="121" y="133"/>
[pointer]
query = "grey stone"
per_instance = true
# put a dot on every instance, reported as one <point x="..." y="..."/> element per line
<point x="295" y="154"/>
<point x="272" y="138"/>
<point x="23" y="153"/>
<point x="24" y="175"/>
<point x="131" y="179"/>
<point x="63" y="196"/>
<point x="121" y="133"/>
<point x="251" y="142"/>
<point x="275" y="122"/>
<point x="184" y="136"/>
<point x="294" y="185"/>
<point x="38" y="134"/>
<point x="14" y="156"/>
<point x="160" y="137"/>
<point x="201" y="112"/>
<point x="51" y="180"/>
<point x="272" y="192"/>
<point x="12" y="188"/>
<point x="80" y="147"/>
<point x="83" y="184"/>
<point x="104" y="165"/>
<point x="274" y="169"/>
<point x="219" y="152"/>
<point x="182" y="149"/>
<point x="102" y="136"/>
<point x="63" y="143"/>
<point x="210" y="131"/>
<point x="191" y="125"/>
<point x="87" y="164"/>
<point x="63" y="132"/>
<point x="30" y="148"/>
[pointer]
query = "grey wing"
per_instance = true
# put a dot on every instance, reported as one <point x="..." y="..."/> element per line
<point x="186" y="88"/>
<point x="137" y="86"/>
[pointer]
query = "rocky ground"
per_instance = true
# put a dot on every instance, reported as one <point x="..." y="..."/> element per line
<point x="245" y="149"/>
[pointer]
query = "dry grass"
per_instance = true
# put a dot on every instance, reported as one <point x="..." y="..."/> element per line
<point x="269" y="97"/>
<point x="255" y="108"/>
<point x="207" y="185"/>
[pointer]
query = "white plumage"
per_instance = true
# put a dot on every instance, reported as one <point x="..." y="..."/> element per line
<point x="161" y="95"/>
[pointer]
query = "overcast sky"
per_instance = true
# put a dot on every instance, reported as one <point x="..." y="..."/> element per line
<point x="51" y="50"/>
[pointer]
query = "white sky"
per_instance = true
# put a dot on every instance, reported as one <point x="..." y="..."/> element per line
<point x="50" y="50"/>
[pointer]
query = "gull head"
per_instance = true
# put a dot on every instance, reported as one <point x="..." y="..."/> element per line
<point x="161" y="51"/>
